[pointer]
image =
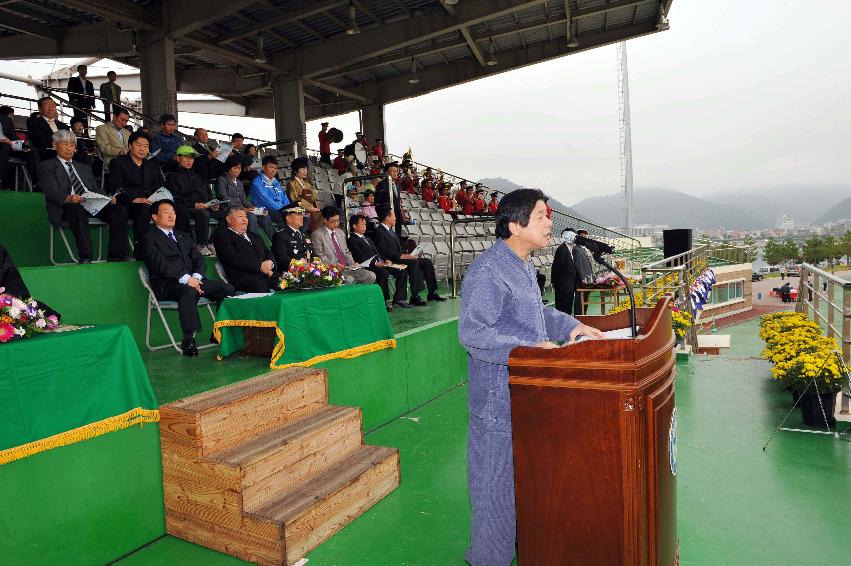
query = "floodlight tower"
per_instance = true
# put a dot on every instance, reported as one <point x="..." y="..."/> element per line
<point x="625" y="136"/>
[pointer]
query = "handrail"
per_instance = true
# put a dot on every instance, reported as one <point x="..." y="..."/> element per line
<point x="817" y="285"/>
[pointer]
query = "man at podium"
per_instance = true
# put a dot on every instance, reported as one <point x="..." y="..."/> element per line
<point x="501" y="309"/>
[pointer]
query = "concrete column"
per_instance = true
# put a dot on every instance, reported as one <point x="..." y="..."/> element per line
<point x="157" y="76"/>
<point x="289" y="112"/>
<point x="372" y="121"/>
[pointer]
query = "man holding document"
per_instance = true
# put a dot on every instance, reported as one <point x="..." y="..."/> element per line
<point x="501" y="309"/>
<point x="72" y="195"/>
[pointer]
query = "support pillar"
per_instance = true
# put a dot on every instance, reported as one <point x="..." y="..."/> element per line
<point x="157" y="76"/>
<point x="288" y="98"/>
<point x="372" y="121"/>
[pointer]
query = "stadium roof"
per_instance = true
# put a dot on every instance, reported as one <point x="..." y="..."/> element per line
<point x="404" y="48"/>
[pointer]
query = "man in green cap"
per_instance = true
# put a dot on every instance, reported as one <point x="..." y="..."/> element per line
<point x="191" y="195"/>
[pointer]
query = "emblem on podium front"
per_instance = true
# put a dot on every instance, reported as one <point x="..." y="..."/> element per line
<point x="672" y="442"/>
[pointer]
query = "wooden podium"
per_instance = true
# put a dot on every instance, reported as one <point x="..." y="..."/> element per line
<point x="595" y="447"/>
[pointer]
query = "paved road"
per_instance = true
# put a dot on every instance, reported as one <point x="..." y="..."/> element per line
<point x="766" y="285"/>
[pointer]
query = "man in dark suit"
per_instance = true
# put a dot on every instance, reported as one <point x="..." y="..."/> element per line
<point x="110" y="93"/>
<point x="418" y="268"/>
<point x="382" y="196"/>
<point x="176" y="271"/>
<point x="63" y="181"/>
<point x="289" y="243"/>
<point x="136" y="178"/>
<point x="7" y="138"/>
<point x="81" y="94"/>
<point x="246" y="260"/>
<point x="40" y="129"/>
<point x="363" y="248"/>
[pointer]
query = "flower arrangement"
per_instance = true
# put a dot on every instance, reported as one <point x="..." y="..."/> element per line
<point x="800" y="353"/>
<point x="681" y="321"/>
<point x="304" y="274"/>
<point x="22" y="318"/>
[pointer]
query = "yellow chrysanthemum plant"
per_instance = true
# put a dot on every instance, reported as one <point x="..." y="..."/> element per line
<point x="801" y="354"/>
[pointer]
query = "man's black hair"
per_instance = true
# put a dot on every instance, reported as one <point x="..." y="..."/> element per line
<point x="42" y="100"/>
<point x="517" y="207"/>
<point x="269" y="159"/>
<point x="330" y="211"/>
<point x="167" y="118"/>
<point x="76" y="120"/>
<point x="355" y="219"/>
<point x="6" y="110"/>
<point x="119" y="110"/>
<point x="384" y="212"/>
<point x="155" y="206"/>
<point x="237" y="136"/>
<point x="136" y="135"/>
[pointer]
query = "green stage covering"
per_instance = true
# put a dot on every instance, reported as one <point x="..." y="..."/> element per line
<point x="53" y="383"/>
<point x="316" y="325"/>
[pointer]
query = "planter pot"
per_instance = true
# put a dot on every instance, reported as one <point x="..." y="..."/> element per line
<point x="795" y="395"/>
<point x="812" y="411"/>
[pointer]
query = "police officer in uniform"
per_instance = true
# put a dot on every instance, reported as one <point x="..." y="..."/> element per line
<point x="289" y="243"/>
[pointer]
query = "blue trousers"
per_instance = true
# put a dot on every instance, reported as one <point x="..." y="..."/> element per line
<point x="490" y="477"/>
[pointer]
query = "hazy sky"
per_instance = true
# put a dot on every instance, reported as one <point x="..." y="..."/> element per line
<point x="737" y="94"/>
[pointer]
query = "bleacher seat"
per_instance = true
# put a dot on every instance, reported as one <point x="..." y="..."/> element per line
<point x="427" y="233"/>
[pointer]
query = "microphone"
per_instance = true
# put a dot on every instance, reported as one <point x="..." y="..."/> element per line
<point x="598" y="258"/>
<point x="596" y="247"/>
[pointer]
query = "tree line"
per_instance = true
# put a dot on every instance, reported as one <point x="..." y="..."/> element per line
<point x="814" y="250"/>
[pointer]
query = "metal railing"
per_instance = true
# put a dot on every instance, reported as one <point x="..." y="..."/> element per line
<point x="820" y="290"/>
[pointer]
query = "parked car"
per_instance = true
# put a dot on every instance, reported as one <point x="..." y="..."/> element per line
<point x="755" y="276"/>
<point x="794" y="271"/>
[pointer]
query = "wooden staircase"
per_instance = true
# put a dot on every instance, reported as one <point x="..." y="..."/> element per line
<point x="266" y="470"/>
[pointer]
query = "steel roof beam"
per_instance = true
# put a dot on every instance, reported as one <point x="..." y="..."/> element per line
<point x="474" y="47"/>
<point x="286" y="18"/>
<point x="14" y="22"/>
<point x="186" y="17"/>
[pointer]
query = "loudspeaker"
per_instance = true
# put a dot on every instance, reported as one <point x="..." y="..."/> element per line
<point x="676" y="242"/>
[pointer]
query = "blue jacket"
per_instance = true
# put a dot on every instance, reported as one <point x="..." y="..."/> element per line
<point x="268" y="194"/>
<point x="167" y="145"/>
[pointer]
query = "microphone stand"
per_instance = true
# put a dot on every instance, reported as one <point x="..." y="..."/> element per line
<point x="632" y="324"/>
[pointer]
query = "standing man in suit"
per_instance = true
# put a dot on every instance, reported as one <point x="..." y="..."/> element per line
<point x="247" y="262"/>
<point x="113" y="138"/>
<point x="81" y="94"/>
<point x="363" y="248"/>
<point x="418" y="268"/>
<point x="63" y="181"/>
<point x="40" y="129"/>
<point x="289" y="242"/>
<point x="176" y="271"/>
<point x="329" y="242"/>
<point x="110" y="92"/>
<point x="137" y="178"/>
<point x="382" y="195"/>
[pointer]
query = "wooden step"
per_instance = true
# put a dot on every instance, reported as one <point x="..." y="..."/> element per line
<point x="331" y="500"/>
<point x="282" y="458"/>
<point x="225" y="417"/>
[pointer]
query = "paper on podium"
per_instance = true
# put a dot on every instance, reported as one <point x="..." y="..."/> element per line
<point x="618" y="333"/>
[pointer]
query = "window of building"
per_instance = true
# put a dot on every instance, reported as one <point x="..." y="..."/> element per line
<point x="727" y="291"/>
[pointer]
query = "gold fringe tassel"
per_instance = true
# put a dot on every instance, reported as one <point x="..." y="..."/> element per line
<point x="279" y="347"/>
<point x="132" y="417"/>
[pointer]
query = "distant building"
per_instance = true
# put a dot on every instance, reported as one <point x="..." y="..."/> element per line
<point x="786" y="222"/>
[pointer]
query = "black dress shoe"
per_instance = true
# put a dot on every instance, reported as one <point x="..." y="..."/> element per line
<point x="85" y="260"/>
<point x="189" y="347"/>
<point x="402" y="304"/>
<point x="418" y="302"/>
<point x="435" y="297"/>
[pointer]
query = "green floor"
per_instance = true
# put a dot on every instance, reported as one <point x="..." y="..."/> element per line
<point x="736" y="503"/>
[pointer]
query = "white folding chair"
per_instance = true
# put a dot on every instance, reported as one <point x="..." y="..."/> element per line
<point x="99" y="224"/>
<point x="160" y="306"/>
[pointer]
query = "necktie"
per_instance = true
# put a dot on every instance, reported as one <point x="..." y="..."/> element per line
<point x="172" y="237"/>
<point x="341" y="257"/>
<point x="77" y="186"/>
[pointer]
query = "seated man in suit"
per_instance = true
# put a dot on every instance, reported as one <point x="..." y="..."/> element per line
<point x="176" y="271"/>
<point x="206" y="163"/>
<point x="137" y="178"/>
<point x="418" y="268"/>
<point x="329" y="242"/>
<point x="289" y="242"/>
<point x="113" y="138"/>
<point x="191" y="194"/>
<point x="247" y="262"/>
<point x="363" y="248"/>
<point x="63" y="181"/>
<point x="40" y="129"/>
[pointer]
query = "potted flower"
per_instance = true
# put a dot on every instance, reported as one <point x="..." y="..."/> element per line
<point x="314" y="274"/>
<point x="21" y="318"/>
